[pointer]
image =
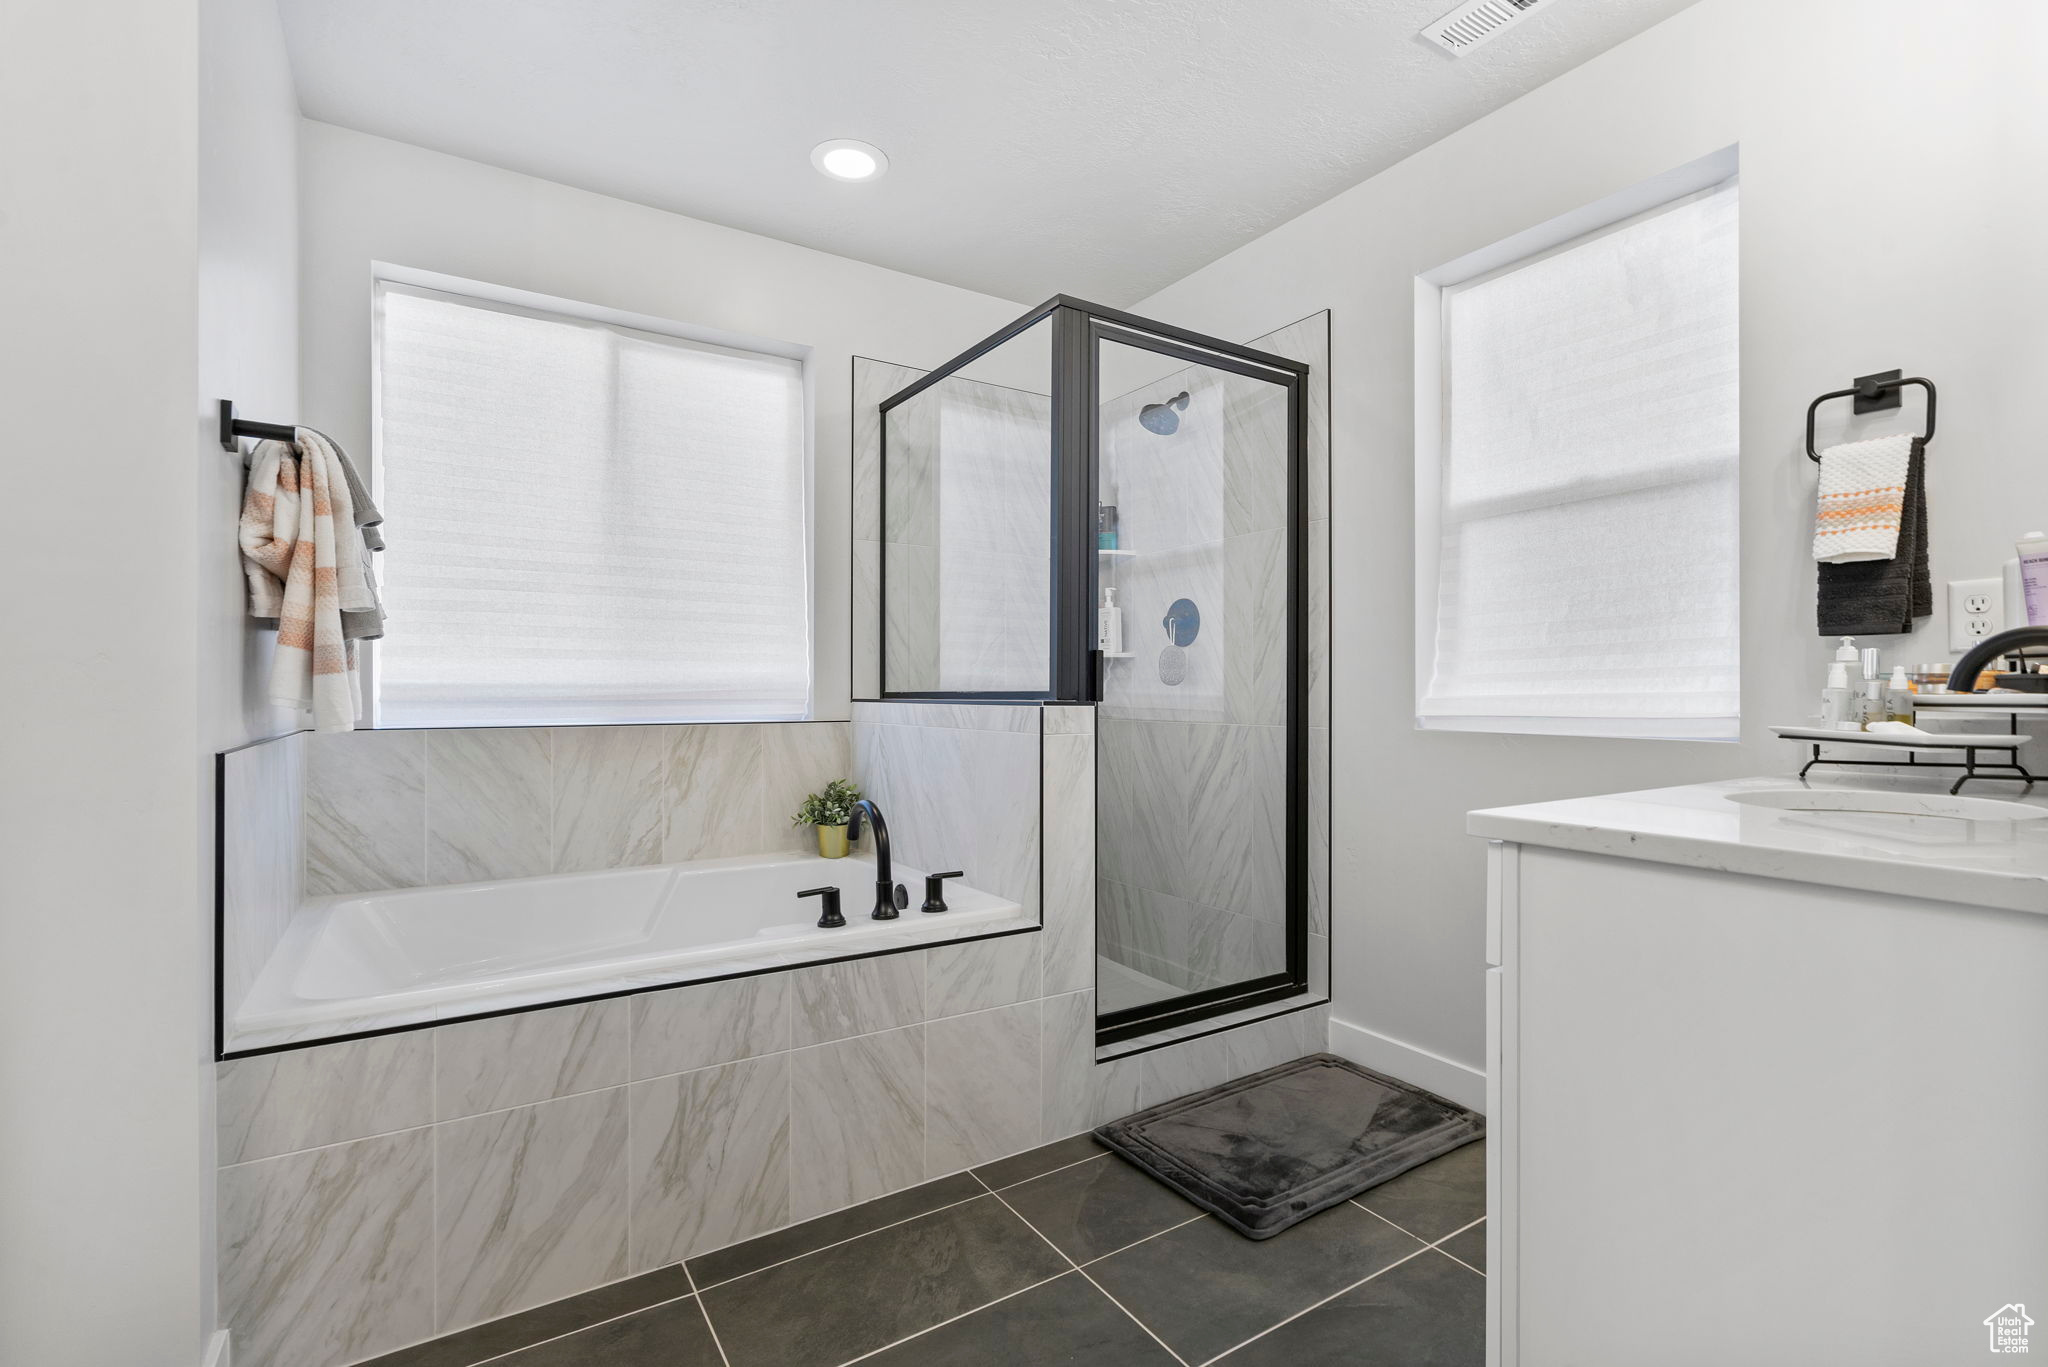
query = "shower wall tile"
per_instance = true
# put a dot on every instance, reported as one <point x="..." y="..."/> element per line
<point x="326" y="1256"/>
<point x="911" y="469"/>
<point x="1236" y="832"/>
<point x="607" y="795"/>
<point x="714" y="792"/>
<point x="1308" y="340"/>
<point x="1319" y="623"/>
<point x="1254" y="455"/>
<point x="1022" y="717"/>
<point x="798" y="759"/>
<point x="1255" y="608"/>
<point x="857" y="1120"/>
<point x="278" y="1103"/>
<point x="1142" y="791"/>
<point x="263" y="857"/>
<point x="1069" y="835"/>
<point x="366" y="811"/>
<point x="910" y="582"/>
<point x="530" y="1205"/>
<point x="709" y="1159"/>
<point x="488" y="802"/>
<point x="982" y="1097"/>
<point x="1179" y="1069"/>
<point x="1067" y="720"/>
<point x="1079" y="1092"/>
<point x="867" y="619"/>
<point x="505" y="1061"/>
<point x="857" y="997"/>
<point x="873" y="381"/>
<point x="981" y="974"/>
<point x="686" y="1028"/>
<point x="1001" y="774"/>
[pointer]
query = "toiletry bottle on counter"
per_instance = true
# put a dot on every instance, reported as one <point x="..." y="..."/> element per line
<point x="1898" y="697"/>
<point x="1872" y="709"/>
<point x="1839" y="709"/>
<point x="2033" y="551"/>
<point x="1109" y="625"/>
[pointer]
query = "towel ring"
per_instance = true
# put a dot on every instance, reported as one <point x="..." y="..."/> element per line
<point x="1872" y="393"/>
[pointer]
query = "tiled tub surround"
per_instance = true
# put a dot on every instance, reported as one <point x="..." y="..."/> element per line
<point x="381" y="1191"/>
<point x="402" y="809"/>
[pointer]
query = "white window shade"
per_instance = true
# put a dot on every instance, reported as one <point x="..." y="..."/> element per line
<point x="587" y="522"/>
<point x="1587" y="540"/>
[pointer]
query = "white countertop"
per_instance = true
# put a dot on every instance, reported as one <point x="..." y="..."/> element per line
<point x="1990" y="864"/>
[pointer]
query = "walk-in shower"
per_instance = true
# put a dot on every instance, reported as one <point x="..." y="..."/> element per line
<point x="1083" y="458"/>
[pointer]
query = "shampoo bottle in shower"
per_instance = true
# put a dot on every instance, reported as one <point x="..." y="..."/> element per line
<point x="1109" y="625"/>
<point x="1105" y="522"/>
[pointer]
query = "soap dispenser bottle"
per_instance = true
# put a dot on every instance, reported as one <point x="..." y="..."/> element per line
<point x="1109" y="625"/>
<point x="1838" y="705"/>
<point x="1898" y="697"/>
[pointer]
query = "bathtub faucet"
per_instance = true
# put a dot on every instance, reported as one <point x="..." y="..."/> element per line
<point x="890" y="895"/>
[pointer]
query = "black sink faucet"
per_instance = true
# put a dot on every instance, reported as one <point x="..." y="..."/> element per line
<point x="890" y="896"/>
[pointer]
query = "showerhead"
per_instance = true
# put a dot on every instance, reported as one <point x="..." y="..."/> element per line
<point x="1163" y="419"/>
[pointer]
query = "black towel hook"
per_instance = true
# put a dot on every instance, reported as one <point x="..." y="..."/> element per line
<point x="232" y="427"/>
<point x="1873" y="394"/>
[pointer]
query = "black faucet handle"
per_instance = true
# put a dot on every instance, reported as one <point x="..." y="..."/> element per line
<point x="935" y="890"/>
<point x="830" y="897"/>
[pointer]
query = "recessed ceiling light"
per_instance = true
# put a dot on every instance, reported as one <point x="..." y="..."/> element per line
<point x="849" y="159"/>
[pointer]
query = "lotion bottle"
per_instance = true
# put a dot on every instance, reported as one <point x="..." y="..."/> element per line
<point x="1838" y="706"/>
<point x="1109" y="625"/>
<point x="1898" y="697"/>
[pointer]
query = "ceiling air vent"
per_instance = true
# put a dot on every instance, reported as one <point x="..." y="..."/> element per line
<point x="1467" y="26"/>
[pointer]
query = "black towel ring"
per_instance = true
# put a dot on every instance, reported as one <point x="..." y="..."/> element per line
<point x="1873" y="393"/>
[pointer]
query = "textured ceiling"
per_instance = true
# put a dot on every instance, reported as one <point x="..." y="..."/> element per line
<point x="1104" y="148"/>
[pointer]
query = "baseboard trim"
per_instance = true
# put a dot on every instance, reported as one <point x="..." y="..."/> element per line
<point x="216" y="1354"/>
<point x="1448" y="1078"/>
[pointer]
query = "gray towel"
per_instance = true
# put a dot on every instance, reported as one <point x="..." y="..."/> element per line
<point x="368" y="625"/>
<point x="1882" y="597"/>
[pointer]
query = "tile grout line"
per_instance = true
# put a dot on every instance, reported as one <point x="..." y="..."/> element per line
<point x="1343" y="1291"/>
<point x="1007" y="1186"/>
<point x="953" y="1318"/>
<point x="571" y="1333"/>
<point x="1198" y="1215"/>
<point x="1084" y="1272"/>
<point x="705" y="1311"/>
<point x="782" y="1262"/>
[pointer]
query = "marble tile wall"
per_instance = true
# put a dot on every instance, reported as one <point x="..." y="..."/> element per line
<point x="377" y="1192"/>
<point x="387" y="809"/>
<point x="262" y="815"/>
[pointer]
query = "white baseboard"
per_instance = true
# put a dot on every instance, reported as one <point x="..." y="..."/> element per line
<point x="216" y="1354"/>
<point x="1448" y="1078"/>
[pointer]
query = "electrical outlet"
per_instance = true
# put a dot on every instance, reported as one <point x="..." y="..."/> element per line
<point x="1976" y="609"/>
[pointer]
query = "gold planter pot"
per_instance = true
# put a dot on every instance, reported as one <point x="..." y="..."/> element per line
<point x="832" y="842"/>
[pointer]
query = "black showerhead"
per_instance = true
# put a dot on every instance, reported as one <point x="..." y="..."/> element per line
<point x="1164" y="418"/>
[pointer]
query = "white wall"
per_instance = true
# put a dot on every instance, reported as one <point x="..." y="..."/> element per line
<point x="248" y="334"/>
<point x="366" y="199"/>
<point x="101" y="988"/>
<point x="1892" y="209"/>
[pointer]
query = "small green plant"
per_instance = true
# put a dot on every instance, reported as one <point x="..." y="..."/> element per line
<point x="830" y="808"/>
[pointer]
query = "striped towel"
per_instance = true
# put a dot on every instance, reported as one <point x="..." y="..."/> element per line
<point x="1862" y="498"/>
<point x="301" y="574"/>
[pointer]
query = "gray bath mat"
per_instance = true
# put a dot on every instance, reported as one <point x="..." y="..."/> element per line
<point x="1268" y="1151"/>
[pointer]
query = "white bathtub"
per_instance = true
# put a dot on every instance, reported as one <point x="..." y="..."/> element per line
<point x="373" y="960"/>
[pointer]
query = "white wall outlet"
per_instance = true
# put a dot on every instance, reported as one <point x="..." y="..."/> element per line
<point x="1976" y="609"/>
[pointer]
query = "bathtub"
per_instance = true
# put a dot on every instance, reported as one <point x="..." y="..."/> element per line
<point x="371" y="961"/>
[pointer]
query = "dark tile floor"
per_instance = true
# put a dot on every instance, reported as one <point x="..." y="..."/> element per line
<point x="1065" y="1254"/>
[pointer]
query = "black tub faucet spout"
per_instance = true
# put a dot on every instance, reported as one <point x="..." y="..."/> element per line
<point x="890" y="896"/>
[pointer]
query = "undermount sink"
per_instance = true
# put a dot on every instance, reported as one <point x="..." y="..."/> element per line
<point x="1973" y="809"/>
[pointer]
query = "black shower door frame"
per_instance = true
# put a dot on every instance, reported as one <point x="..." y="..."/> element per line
<point x="1079" y="328"/>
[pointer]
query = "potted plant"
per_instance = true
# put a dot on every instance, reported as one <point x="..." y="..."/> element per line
<point x="829" y="812"/>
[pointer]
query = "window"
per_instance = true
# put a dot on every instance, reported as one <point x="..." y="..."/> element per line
<point x="1577" y="478"/>
<point x="588" y="522"/>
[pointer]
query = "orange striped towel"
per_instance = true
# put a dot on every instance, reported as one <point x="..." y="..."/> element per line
<point x="1862" y="498"/>
<point x="297" y="496"/>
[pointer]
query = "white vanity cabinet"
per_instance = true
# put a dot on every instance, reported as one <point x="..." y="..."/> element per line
<point x="1738" y="1118"/>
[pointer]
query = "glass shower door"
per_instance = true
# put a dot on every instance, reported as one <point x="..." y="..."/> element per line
<point x="1199" y="730"/>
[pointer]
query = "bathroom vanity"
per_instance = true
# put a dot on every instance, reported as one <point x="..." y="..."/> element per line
<point x="1767" y="1074"/>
